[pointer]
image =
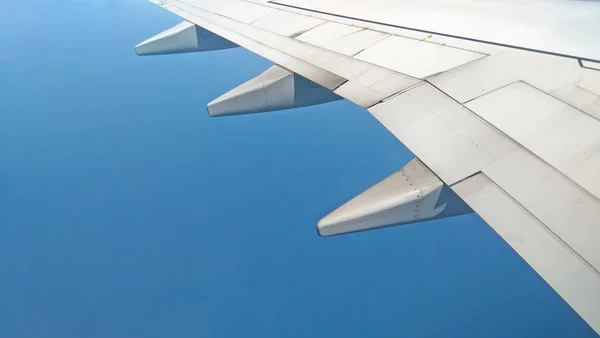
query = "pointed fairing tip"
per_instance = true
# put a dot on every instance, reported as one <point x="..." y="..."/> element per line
<point x="275" y="89"/>
<point x="410" y="195"/>
<point x="269" y="91"/>
<point x="181" y="38"/>
<point x="185" y="37"/>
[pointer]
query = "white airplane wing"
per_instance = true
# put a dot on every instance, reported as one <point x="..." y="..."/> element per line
<point x="499" y="101"/>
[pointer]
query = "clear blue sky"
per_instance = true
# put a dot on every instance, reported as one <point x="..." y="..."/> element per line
<point x="125" y="211"/>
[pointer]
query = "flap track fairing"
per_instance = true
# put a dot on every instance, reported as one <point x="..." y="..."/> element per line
<point x="275" y="89"/>
<point x="411" y="195"/>
<point x="183" y="38"/>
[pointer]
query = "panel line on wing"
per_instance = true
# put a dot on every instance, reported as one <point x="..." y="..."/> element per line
<point x="573" y="277"/>
<point x="539" y="221"/>
<point x="589" y="64"/>
<point x="323" y="77"/>
<point x="434" y="32"/>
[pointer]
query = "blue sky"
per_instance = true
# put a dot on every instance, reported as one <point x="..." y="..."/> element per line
<point x="125" y="211"/>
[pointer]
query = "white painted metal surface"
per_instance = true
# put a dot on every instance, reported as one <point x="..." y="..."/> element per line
<point x="243" y="11"/>
<point x="374" y="86"/>
<point x="590" y="81"/>
<point x="446" y="136"/>
<point x="271" y="90"/>
<point x="341" y="65"/>
<point x="588" y="171"/>
<point x="344" y="39"/>
<point x="413" y="194"/>
<point x="185" y="37"/>
<point x="327" y="33"/>
<point x="558" y="133"/>
<point x="287" y="24"/>
<point x="547" y="73"/>
<point x="561" y="267"/>
<point x="478" y="47"/>
<point x="416" y="58"/>
<point x="562" y="27"/>
<point x="275" y="89"/>
<point x="580" y="98"/>
<point x="560" y="204"/>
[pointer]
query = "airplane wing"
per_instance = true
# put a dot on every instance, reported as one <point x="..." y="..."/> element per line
<point x="499" y="101"/>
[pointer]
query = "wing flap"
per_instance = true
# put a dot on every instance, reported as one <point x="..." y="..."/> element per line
<point x="455" y="143"/>
<point x="446" y="136"/>
<point x="563" y="206"/>
<point x="576" y="281"/>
